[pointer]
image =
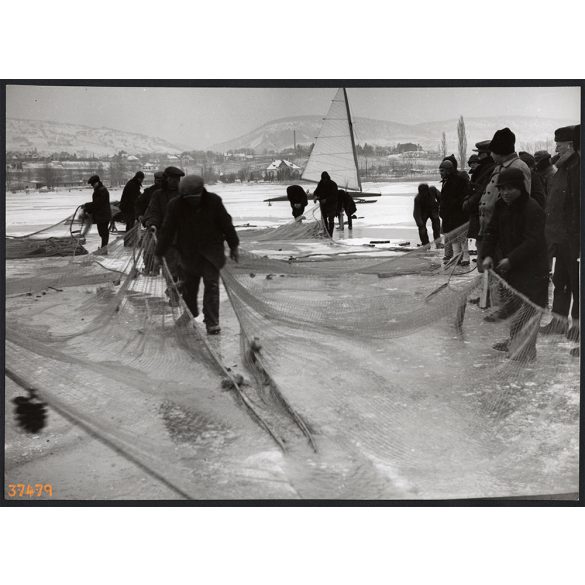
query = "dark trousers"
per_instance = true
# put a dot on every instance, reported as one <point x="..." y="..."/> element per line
<point x="130" y="238"/>
<point x="210" y="275"/>
<point x="104" y="232"/>
<point x="422" y="229"/>
<point x="566" y="282"/>
<point x="329" y="221"/>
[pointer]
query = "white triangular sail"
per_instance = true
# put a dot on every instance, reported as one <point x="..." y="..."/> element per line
<point x="334" y="149"/>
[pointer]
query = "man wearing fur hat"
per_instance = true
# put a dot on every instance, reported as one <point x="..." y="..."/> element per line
<point x="516" y="228"/>
<point x="199" y="223"/>
<point x="562" y="234"/>
<point x="504" y="156"/>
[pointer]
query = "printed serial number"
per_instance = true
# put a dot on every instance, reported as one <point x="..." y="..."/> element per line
<point x="21" y="490"/>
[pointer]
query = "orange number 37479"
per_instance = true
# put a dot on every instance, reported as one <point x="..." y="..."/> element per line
<point x="23" y="490"/>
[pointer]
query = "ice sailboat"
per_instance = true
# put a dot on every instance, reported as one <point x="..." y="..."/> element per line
<point x="334" y="151"/>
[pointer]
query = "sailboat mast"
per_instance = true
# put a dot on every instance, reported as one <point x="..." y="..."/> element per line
<point x="352" y="139"/>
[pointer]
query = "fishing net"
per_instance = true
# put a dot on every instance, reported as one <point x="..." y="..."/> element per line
<point x="371" y="370"/>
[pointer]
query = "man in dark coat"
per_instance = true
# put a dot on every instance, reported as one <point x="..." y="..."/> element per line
<point x="544" y="169"/>
<point x="345" y="203"/>
<point x="426" y="206"/>
<point x="516" y="227"/>
<point x="537" y="189"/>
<point x="130" y="196"/>
<point x="559" y="219"/>
<point x="326" y="193"/>
<point x="100" y="210"/>
<point x="144" y="199"/>
<point x="453" y="192"/>
<point x="199" y="223"/>
<point x="298" y="199"/>
<point x="480" y="177"/>
<point x="154" y="218"/>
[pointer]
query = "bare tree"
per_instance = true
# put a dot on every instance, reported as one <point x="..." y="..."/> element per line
<point x="444" y="145"/>
<point x="462" y="146"/>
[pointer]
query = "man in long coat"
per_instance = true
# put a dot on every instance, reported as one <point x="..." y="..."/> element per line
<point x="199" y="223"/>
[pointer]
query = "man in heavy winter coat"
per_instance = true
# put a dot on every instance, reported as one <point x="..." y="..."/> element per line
<point x="144" y="199"/>
<point x="199" y="223"/>
<point x="426" y="206"/>
<point x="297" y="198"/>
<point x="537" y="189"/>
<point x="563" y="234"/>
<point x="544" y="169"/>
<point x="480" y="177"/>
<point x="326" y="193"/>
<point x="453" y="191"/>
<point x="155" y="215"/>
<point x="345" y="203"/>
<point x="100" y="210"/>
<point x="516" y="227"/>
<point x="130" y="196"/>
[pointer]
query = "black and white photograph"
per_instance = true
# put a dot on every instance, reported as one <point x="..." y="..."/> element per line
<point x="292" y="291"/>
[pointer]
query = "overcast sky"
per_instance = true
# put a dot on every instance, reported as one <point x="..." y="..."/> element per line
<point x="199" y="117"/>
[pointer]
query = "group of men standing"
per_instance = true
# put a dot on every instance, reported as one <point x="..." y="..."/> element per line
<point x="333" y="202"/>
<point x="185" y="224"/>
<point x="523" y="211"/>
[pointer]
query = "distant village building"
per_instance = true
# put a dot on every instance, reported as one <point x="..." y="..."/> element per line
<point x="281" y="169"/>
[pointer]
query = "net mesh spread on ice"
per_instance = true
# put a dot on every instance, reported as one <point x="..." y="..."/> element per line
<point x="374" y="374"/>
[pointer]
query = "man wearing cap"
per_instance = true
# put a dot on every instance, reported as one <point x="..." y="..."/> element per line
<point x="199" y="223"/>
<point x="544" y="169"/>
<point x="154" y="217"/>
<point x="100" y="210"/>
<point x="563" y="237"/>
<point x="130" y="196"/>
<point x="502" y="152"/>
<point x="516" y="228"/>
<point x="473" y="163"/>
<point x="453" y="192"/>
<point x="480" y="177"/>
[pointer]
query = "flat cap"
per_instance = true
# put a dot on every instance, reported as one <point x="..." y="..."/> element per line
<point x="173" y="172"/>
<point x="483" y="146"/>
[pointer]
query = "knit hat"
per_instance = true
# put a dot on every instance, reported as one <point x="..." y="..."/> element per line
<point x="473" y="159"/>
<point x="325" y="175"/>
<point x="158" y="175"/>
<point x="139" y="175"/>
<point x="513" y="177"/>
<point x="564" y="134"/>
<point x="452" y="158"/>
<point x="483" y="146"/>
<point x="503" y="142"/>
<point x="191" y="185"/>
<point x="577" y="137"/>
<point x="447" y="164"/>
<point x="93" y="180"/>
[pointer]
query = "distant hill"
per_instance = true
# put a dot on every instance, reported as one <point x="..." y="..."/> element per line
<point x="48" y="137"/>
<point x="278" y="134"/>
